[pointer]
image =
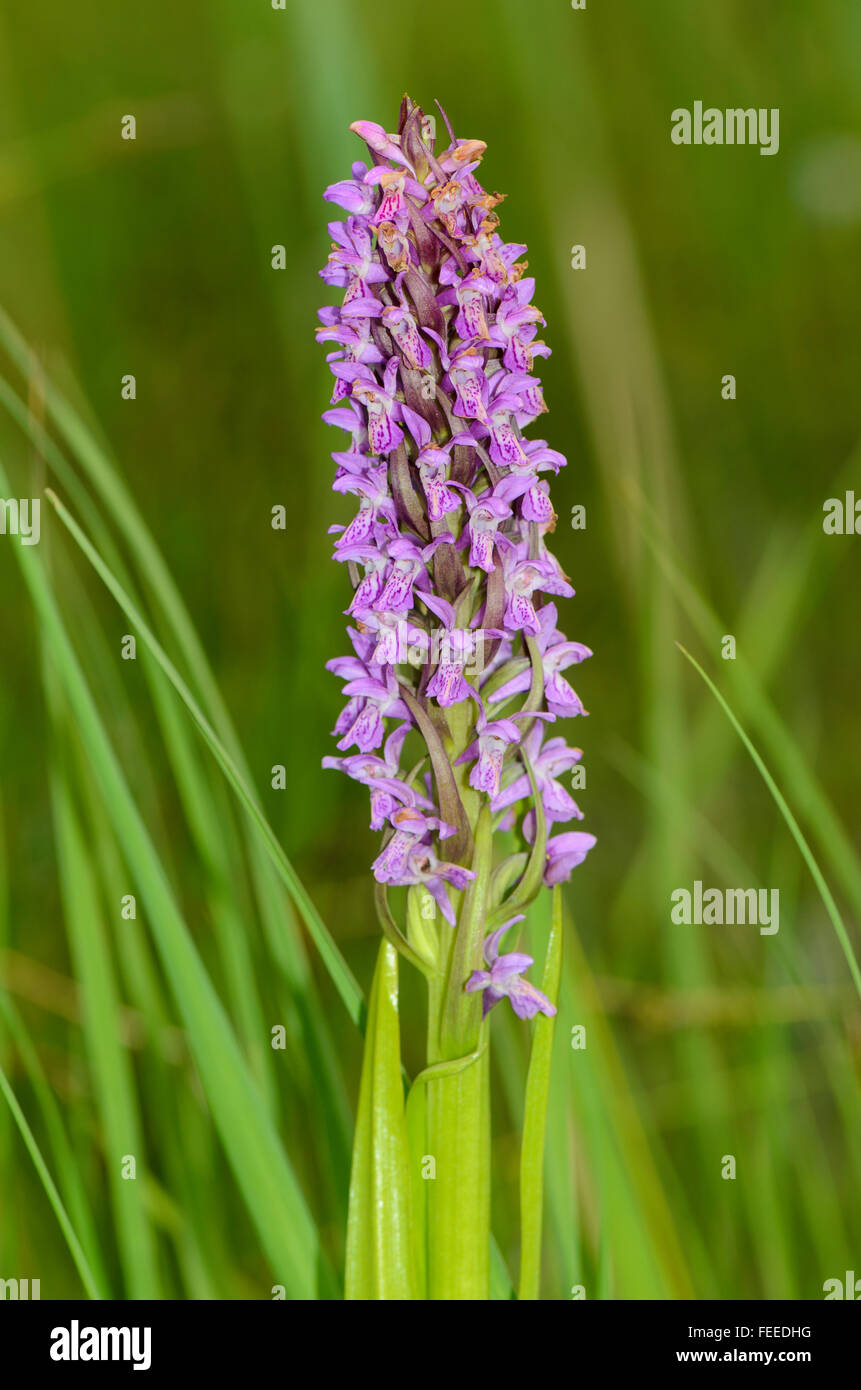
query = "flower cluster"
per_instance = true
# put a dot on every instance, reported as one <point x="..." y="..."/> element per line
<point x="453" y="626"/>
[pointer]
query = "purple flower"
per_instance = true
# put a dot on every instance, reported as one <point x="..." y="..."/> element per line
<point x="448" y="685"/>
<point x="384" y="434"/>
<point x="409" y="569"/>
<point x="505" y="979"/>
<point x="564" y="853"/>
<point x="485" y="514"/>
<point x="405" y="331"/>
<point x="377" y="504"/>
<point x="523" y="576"/>
<point x="432" y="352"/>
<point x="353" y="194"/>
<point x="380" y="776"/>
<point x="409" y="858"/>
<point x="494" y="739"/>
<point x="372" y="699"/>
<point x="489" y="750"/>
<point x="433" y="464"/>
<point x="352" y="257"/>
<point x="549" y="761"/>
<point x="557" y="655"/>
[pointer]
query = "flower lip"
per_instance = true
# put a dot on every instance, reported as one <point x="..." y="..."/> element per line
<point x="505" y="979"/>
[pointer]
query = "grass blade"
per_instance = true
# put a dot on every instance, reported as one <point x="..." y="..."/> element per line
<point x="261" y="1167"/>
<point x="794" y="828"/>
<point x="112" y="1072"/>
<point x="535" y="1116"/>
<point x="54" y="1198"/>
<point x="339" y="970"/>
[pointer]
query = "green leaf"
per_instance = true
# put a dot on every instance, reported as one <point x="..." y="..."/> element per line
<point x="70" y="1180"/>
<point x="262" y="1169"/>
<point x="281" y="930"/>
<point x="535" y="1116"/>
<point x="334" y="961"/>
<point x="530" y="883"/>
<point x="794" y="828"/>
<point x="458" y="1213"/>
<point x="381" y="1254"/>
<point x="112" y="1071"/>
<point x="81" y="1263"/>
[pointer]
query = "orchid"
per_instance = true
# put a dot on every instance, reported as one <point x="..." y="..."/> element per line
<point x="456" y="661"/>
<point x="504" y="979"/>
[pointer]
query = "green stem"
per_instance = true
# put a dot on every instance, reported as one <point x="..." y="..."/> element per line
<point x="457" y="1084"/>
<point x="458" y="1213"/>
<point x="460" y="1020"/>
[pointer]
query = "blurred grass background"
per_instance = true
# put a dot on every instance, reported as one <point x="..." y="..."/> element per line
<point x="703" y="518"/>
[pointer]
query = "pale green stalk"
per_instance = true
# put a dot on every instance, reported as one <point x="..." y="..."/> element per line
<point x="458" y="1105"/>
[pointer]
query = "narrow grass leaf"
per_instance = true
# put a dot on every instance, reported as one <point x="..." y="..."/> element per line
<point x="535" y="1116"/>
<point x="74" y="1244"/>
<point x="340" y="972"/>
<point x="260" y="1164"/>
<point x="109" y="1062"/>
<point x="794" y="829"/>
<point x="381" y="1254"/>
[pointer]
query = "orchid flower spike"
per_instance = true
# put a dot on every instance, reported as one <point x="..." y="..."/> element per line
<point x="456" y="664"/>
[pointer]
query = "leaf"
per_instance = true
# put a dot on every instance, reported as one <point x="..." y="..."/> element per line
<point x="112" y="1071"/>
<point x="535" y="1116"/>
<point x="93" y="1290"/>
<point x="263" y="1171"/>
<point x="794" y="828"/>
<point x="334" y="961"/>
<point x="70" y="1180"/>
<point x="458" y="1199"/>
<point x="279" y="925"/>
<point x="530" y="883"/>
<point x="381" y="1253"/>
